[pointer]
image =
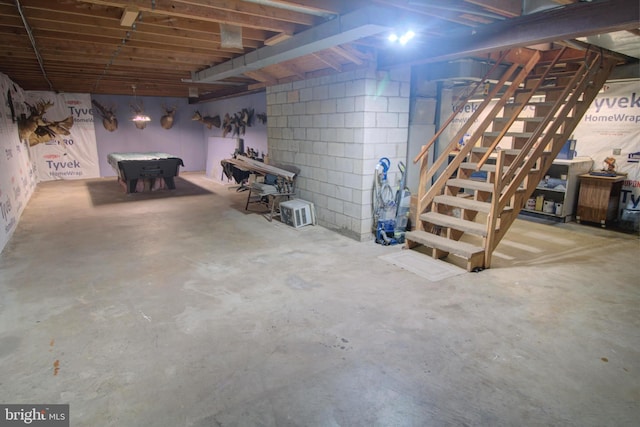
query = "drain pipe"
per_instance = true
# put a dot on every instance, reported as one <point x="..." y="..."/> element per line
<point x="33" y="43"/>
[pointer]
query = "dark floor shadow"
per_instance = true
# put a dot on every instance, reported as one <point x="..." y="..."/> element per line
<point x="109" y="191"/>
<point x="238" y="201"/>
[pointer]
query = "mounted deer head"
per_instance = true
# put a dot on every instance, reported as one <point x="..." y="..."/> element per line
<point x="51" y="130"/>
<point x="35" y="129"/>
<point x="28" y="125"/>
<point x="208" y="121"/>
<point x="109" y="120"/>
<point x="166" y="121"/>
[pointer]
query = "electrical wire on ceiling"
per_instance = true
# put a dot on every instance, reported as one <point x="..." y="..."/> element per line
<point x="123" y="42"/>
<point x="33" y="44"/>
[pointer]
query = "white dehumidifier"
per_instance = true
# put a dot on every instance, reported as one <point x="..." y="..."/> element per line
<point x="297" y="213"/>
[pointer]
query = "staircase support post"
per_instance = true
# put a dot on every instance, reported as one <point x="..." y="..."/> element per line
<point x="492" y="219"/>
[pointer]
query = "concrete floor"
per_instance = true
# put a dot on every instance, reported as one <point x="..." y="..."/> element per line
<point x="181" y="309"/>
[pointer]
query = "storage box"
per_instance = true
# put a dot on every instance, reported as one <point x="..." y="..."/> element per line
<point x="630" y="220"/>
<point x="297" y="213"/>
<point x="568" y="151"/>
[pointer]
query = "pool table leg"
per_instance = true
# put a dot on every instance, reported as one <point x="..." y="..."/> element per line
<point x="171" y="185"/>
<point x="131" y="185"/>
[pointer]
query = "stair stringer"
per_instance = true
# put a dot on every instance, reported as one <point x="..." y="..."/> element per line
<point x="505" y="208"/>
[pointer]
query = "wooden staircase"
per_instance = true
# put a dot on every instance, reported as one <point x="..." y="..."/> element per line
<point x="525" y="120"/>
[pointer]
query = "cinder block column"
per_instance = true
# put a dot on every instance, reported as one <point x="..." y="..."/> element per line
<point x="335" y="129"/>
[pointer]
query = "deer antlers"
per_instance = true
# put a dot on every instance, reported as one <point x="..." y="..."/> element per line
<point x="109" y="120"/>
<point x="35" y="128"/>
<point x="166" y="121"/>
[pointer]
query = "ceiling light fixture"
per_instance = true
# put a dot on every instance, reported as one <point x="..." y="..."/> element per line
<point x="140" y="116"/>
<point x="403" y="39"/>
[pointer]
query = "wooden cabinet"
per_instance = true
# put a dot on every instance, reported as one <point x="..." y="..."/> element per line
<point x="599" y="198"/>
<point x="560" y="189"/>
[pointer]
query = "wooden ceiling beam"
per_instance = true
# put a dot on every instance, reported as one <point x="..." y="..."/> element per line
<point x="336" y="7"/>
<point x="255" y="9"/>
<point x="203" y="13"/>
<point x="193" y="39"/>
<point x="278" y="38"/>
<point x="103" y="17"/>
<point x="352" y="26"/>
<point x="322" y="56"/>
<point x="293" y="68"/>
<point x="508" y="8"/>
<point x="91" y="49"/>
<point x="132" y="65"/>
<point x="442" y="14"/>
<point x="367" y="55"/>
<point x="63" y="39"/>
<point x="572" y="21"/>
<point x="349" y="56"/>
<point x="261" y="76"/>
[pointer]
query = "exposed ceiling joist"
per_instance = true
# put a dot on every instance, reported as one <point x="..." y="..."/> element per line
<point x="294" y="69"/>
<point x="261" y="76"/>
<point x="84" y="48"/>
<point x="277" y="39"/>
<point x="572" y="21"/>
<point x="331" y="7"/>
<point x="347" y="55"/>
<point x="363" y="23"/>
<point x="206" y="12"/>
<point x="329" y="61"/>
<point x="501" y="7"/>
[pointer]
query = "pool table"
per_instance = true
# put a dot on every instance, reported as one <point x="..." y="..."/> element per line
<point x="130" y="167"/>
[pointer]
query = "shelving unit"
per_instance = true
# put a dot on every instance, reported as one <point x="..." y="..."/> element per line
<point x="562" y="191"/>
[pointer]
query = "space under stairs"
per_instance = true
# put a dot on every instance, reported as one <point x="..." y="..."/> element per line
<point x="471" y="195"/>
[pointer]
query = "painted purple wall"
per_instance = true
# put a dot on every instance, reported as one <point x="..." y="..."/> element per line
<point x="256" y="135"/>
<point x="187" y="139"/>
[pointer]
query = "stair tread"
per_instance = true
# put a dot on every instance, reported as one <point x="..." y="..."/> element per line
<point x="516" y="134"/>
<point x="488" y="167"/>
<point x="463" y="203"/>
<point x="541" y="89"/>
<point x="536" y="103"/>
<point x="484" y="168"/>
<point x="507" y="151"/>
<point x="519" y="119"/>
<point x="439" y="242"/>
<point x="472" y="184"/>
<point x="455" y="223"/>
<point x="555" y="72"/>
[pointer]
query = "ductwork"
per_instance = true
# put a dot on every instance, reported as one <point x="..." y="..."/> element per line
<point x="462" y="70"/>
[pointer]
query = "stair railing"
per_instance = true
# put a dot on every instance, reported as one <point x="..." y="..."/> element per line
<point x="427" y="174"/>
<point x="455" y="163"/>
<point x="425" y="148"/>
<point x="515" y="113"/>
<point x="464" y="151"/>
<point x="492" y="219"/>
<point x="535" y="145"/>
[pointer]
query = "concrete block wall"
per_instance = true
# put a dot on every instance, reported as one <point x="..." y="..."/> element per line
<point x="335" y="129"/>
